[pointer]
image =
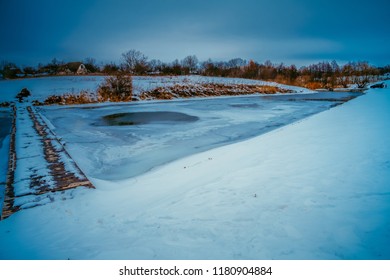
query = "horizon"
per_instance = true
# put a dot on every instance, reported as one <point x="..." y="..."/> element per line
<point x="120" y="61"/>
<point x="299" y="33"/>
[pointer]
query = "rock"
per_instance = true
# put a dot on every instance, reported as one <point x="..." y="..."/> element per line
<point x="380" y="85"/>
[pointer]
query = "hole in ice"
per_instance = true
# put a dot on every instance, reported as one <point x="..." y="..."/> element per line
<point x="137" y="118"/>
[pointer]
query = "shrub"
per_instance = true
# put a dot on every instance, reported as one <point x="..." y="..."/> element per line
<point x="9" y="70"/>
<point x="5" y="104"/>
<point x="22" y="94"/>
<point x="313" y="85"/>
<point x="110" y="69"/>
<point x="116" y="88"/>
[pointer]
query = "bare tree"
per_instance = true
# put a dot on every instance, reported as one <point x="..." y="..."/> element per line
<point x="155" y="65"/>
<point x="176" y="67"/>
<point x="135" y="61"/>
<point x="190" y="62"/>
<point x="236" y="63"/>
<point x="362" y="74"/>
<point x="90" y="60"/>
<point x="9" y="70"/>
<point x="90" y="64"/>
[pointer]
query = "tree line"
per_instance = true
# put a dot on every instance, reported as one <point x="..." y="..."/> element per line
<point x="320" y="75"/>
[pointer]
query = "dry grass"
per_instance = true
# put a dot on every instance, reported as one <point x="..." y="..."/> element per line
<point x="204" y="90"/>
<point x="186" y="90"/>
<point x="69" y="99"/>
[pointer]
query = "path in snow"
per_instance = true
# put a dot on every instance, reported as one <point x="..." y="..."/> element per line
<point x="8" y="193"/>
<point x="37" y="174"/>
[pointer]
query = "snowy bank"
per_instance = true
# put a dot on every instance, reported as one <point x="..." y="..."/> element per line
<point x="315" y="189"/>
<point x="41" y="88"/>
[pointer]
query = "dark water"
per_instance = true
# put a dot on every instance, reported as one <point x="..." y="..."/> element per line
<point x="330" y="96"/>
<point x="5" y="125"/>
<point x="146" y="118"/>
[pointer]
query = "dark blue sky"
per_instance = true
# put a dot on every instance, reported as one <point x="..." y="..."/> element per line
<point x="300" y="31"/>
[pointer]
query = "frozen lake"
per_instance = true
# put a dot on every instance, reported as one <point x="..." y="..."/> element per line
<point x="118" y="141"/>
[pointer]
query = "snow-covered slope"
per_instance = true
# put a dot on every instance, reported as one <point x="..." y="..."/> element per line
<point x="316" y="189"/>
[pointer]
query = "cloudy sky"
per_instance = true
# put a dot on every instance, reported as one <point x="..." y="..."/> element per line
<point x="299" y="31"/>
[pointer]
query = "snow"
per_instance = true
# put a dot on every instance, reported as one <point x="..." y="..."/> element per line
<point x="30" y="163"/>
<point x="149" y="83"/>
<point x="41" y="88"/>
<point x="317" y="188"/>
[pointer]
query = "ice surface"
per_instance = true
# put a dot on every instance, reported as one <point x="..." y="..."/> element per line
<point x="117" y="152"/>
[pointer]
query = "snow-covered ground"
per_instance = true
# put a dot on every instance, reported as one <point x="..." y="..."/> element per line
<point x="41" y="88"/>
<point x="315" y="189"/>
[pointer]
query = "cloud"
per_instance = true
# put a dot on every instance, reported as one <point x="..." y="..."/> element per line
<point x="279" y="30"/>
